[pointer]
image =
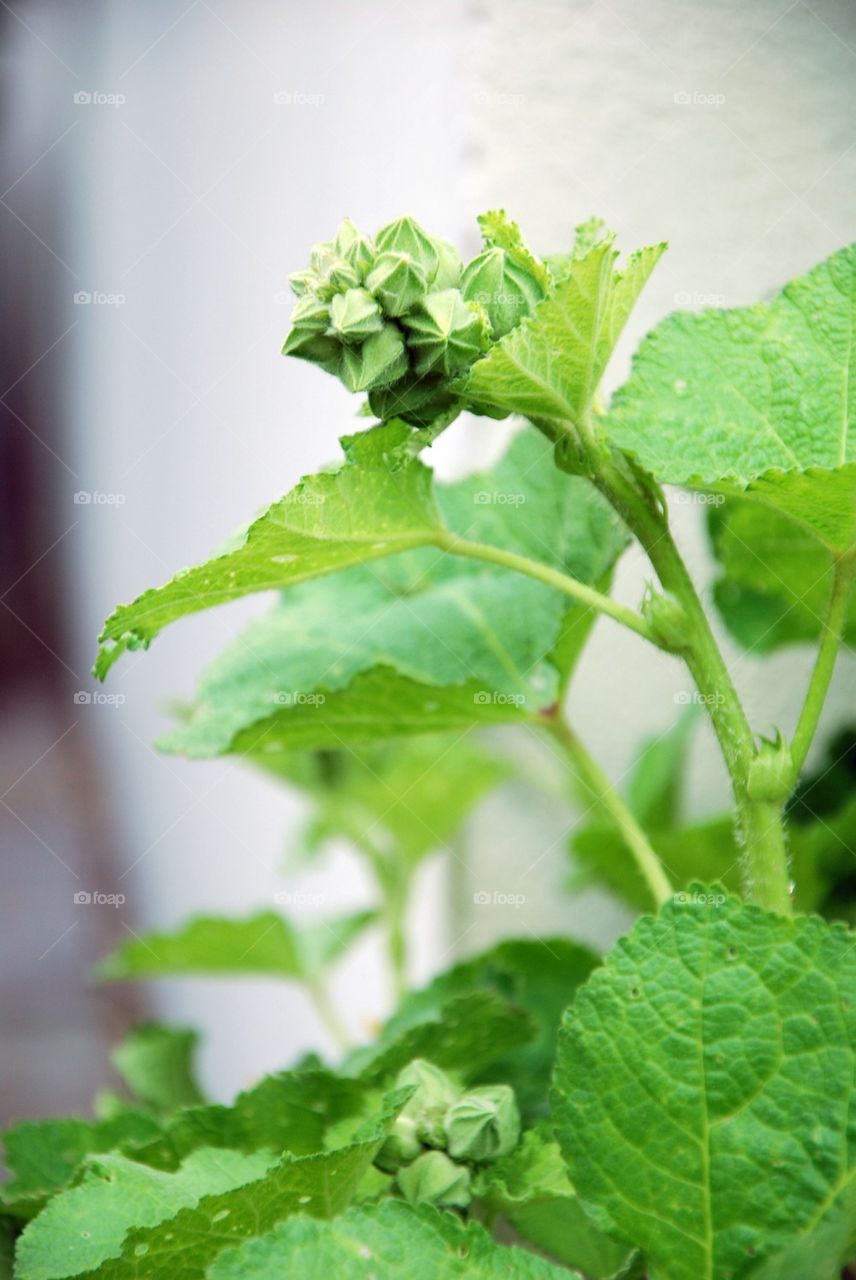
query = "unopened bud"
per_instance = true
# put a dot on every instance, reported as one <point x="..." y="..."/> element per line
<point x="401" y="1147"/>
<point x="355" y="248"/>
<point x="354" y="315"/>
<point x="667" y="620"/>
<point x="435" y="1093"/>
<point x="397" y="282"/>
<point x="483" y="1124"/>
<point x="435" y="1179"/>
<point x="380" y="360"/>
<point x="445" y="333"/>
<point x="506" y="292"/>
<point x="406" y="236"/>
<point x="771" y="773"/>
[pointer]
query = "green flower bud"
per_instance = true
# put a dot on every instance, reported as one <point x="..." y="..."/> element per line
<point x="307" y="338"/>
<point x="354" y="315"/>
<point x="401" y="1147"/>
<point x="406" y="236"/>
<point x="771" y="773"/>
<point x="355" y="248"/>
<point x="302" y="282"/>
<point x="380" y="360"/>
<point x="435" y="1179"/>
<point x="445" y="333"/>
<point x="505" y="290"/>
<point x="449" y="267"/>
<point x="483" y="1124"/>
<point x="397" y="282"/>
<point x="417" y="401"/>
<point x="333" y="272"/>
<point x="435" y="1093"/>
<point x="667" y="619"/>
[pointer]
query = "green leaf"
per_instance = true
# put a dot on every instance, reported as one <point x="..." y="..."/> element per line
<point x="775" y="580"/>
<point x="182" y="1246"/>
<point x="42" y="1155"/>
<point x="703" y="1089"/>
<point x="655" y="789"/>
<point x="530" y="1188"/>
<point x="378" y="500"/>
<point x="463" y="1034"/>
<point x="80" y="1229"/>
<point x="267" y="943"/>
<point x="758" y="400"/>
<point x="535" y="975"/>
<point x="383" y="1242"/>
<point x="439" y="642"/>
<point x="157" y="1064"/>
<point x="7" y="1248"/>
<point x="551" y="364"/>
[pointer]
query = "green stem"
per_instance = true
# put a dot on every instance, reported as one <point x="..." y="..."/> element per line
<point x="821" y="676"/>
<point x="396" y="941"/>
<point x="327" y="1013"/>
<point x="760" y="823"/>
<point x="594" y="778"/>
<point x="553" y="577"/>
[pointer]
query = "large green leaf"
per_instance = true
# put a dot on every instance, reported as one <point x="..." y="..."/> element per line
<point x="267" y="943"/>
<point x="759" y="400"/>
<point x="704" y="1086"/>
<point x="126" y="1218"/>
<point x="776" y="578"/>
<point x="550" y="365"/>
<point x="387" y="1241"/>
<point x="536" y="975"/>
<point x="379" y="500"/>
<point x="530" y="1188"/>
<point x="434" y="642"/>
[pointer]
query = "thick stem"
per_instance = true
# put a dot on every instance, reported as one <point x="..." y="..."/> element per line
<point x="830" y="643"/>
<point x="760" y="824"/>
<point x="602" y="790"/>
<point x="544" y="573"/>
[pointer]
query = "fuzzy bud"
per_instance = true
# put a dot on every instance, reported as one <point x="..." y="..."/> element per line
<point x="354" y="315"/>
<point x="445" y="333"/>
<point x="435" y="1093"/>
<point x="356" y="249"/>
<point x="667" y="620"/>
<point x="483" y="1124"/>
<point x="504" y="289"/>
<point x="401" y="1147"/>
<point x="397" y="282"/>
<point x="406" y="236"/>
<point x="771" y="773"/>
<point x="435" y="1179"/>
<point x="380" y="360"/>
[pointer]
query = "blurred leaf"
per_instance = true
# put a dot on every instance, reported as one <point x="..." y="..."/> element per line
<point x="655" y="789"/>
<point x="267" y="943"/>
<point x="157" y="1064"/>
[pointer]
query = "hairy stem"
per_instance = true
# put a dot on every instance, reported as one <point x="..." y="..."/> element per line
<point x="544" y="573"/>
<point x="760" y="825"/>
<point x="606" y="796"/>
<point x="830" y="643"/>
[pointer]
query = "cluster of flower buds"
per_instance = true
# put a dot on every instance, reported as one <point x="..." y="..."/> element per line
<point x="442" y="1131"/>
<point x="401" y="318"/>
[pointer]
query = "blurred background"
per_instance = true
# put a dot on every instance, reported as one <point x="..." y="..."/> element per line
<point x="165" y="167"/>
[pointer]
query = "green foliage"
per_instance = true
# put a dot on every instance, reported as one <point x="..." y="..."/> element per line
<point x="156" y="1063"/>
<point x="703" y="1090"/>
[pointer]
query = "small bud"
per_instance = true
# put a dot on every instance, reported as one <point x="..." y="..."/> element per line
<point x="302" y="282"/>
<point x="668" y="621"/>
<point x="449" y="267"/>
<point x="397" y="282"/>
<point x="483" y="1124"/>
<point x="354" y="315"/>
<point x="506" y="292"/>
<point x="380" y="360"/>
<point x="417" y="401"/>
<point x="435" y="1179"/>
<point x="307" y="337"/>
<point x="401" y="1147"/>
<point x="771" y="773"/>
<point x="334" y="273"/>
<point x="445" y="333"/>
<point x="435" y="1093"/>
<point x="355" y="248"/>
<point x="406" y="236"/>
